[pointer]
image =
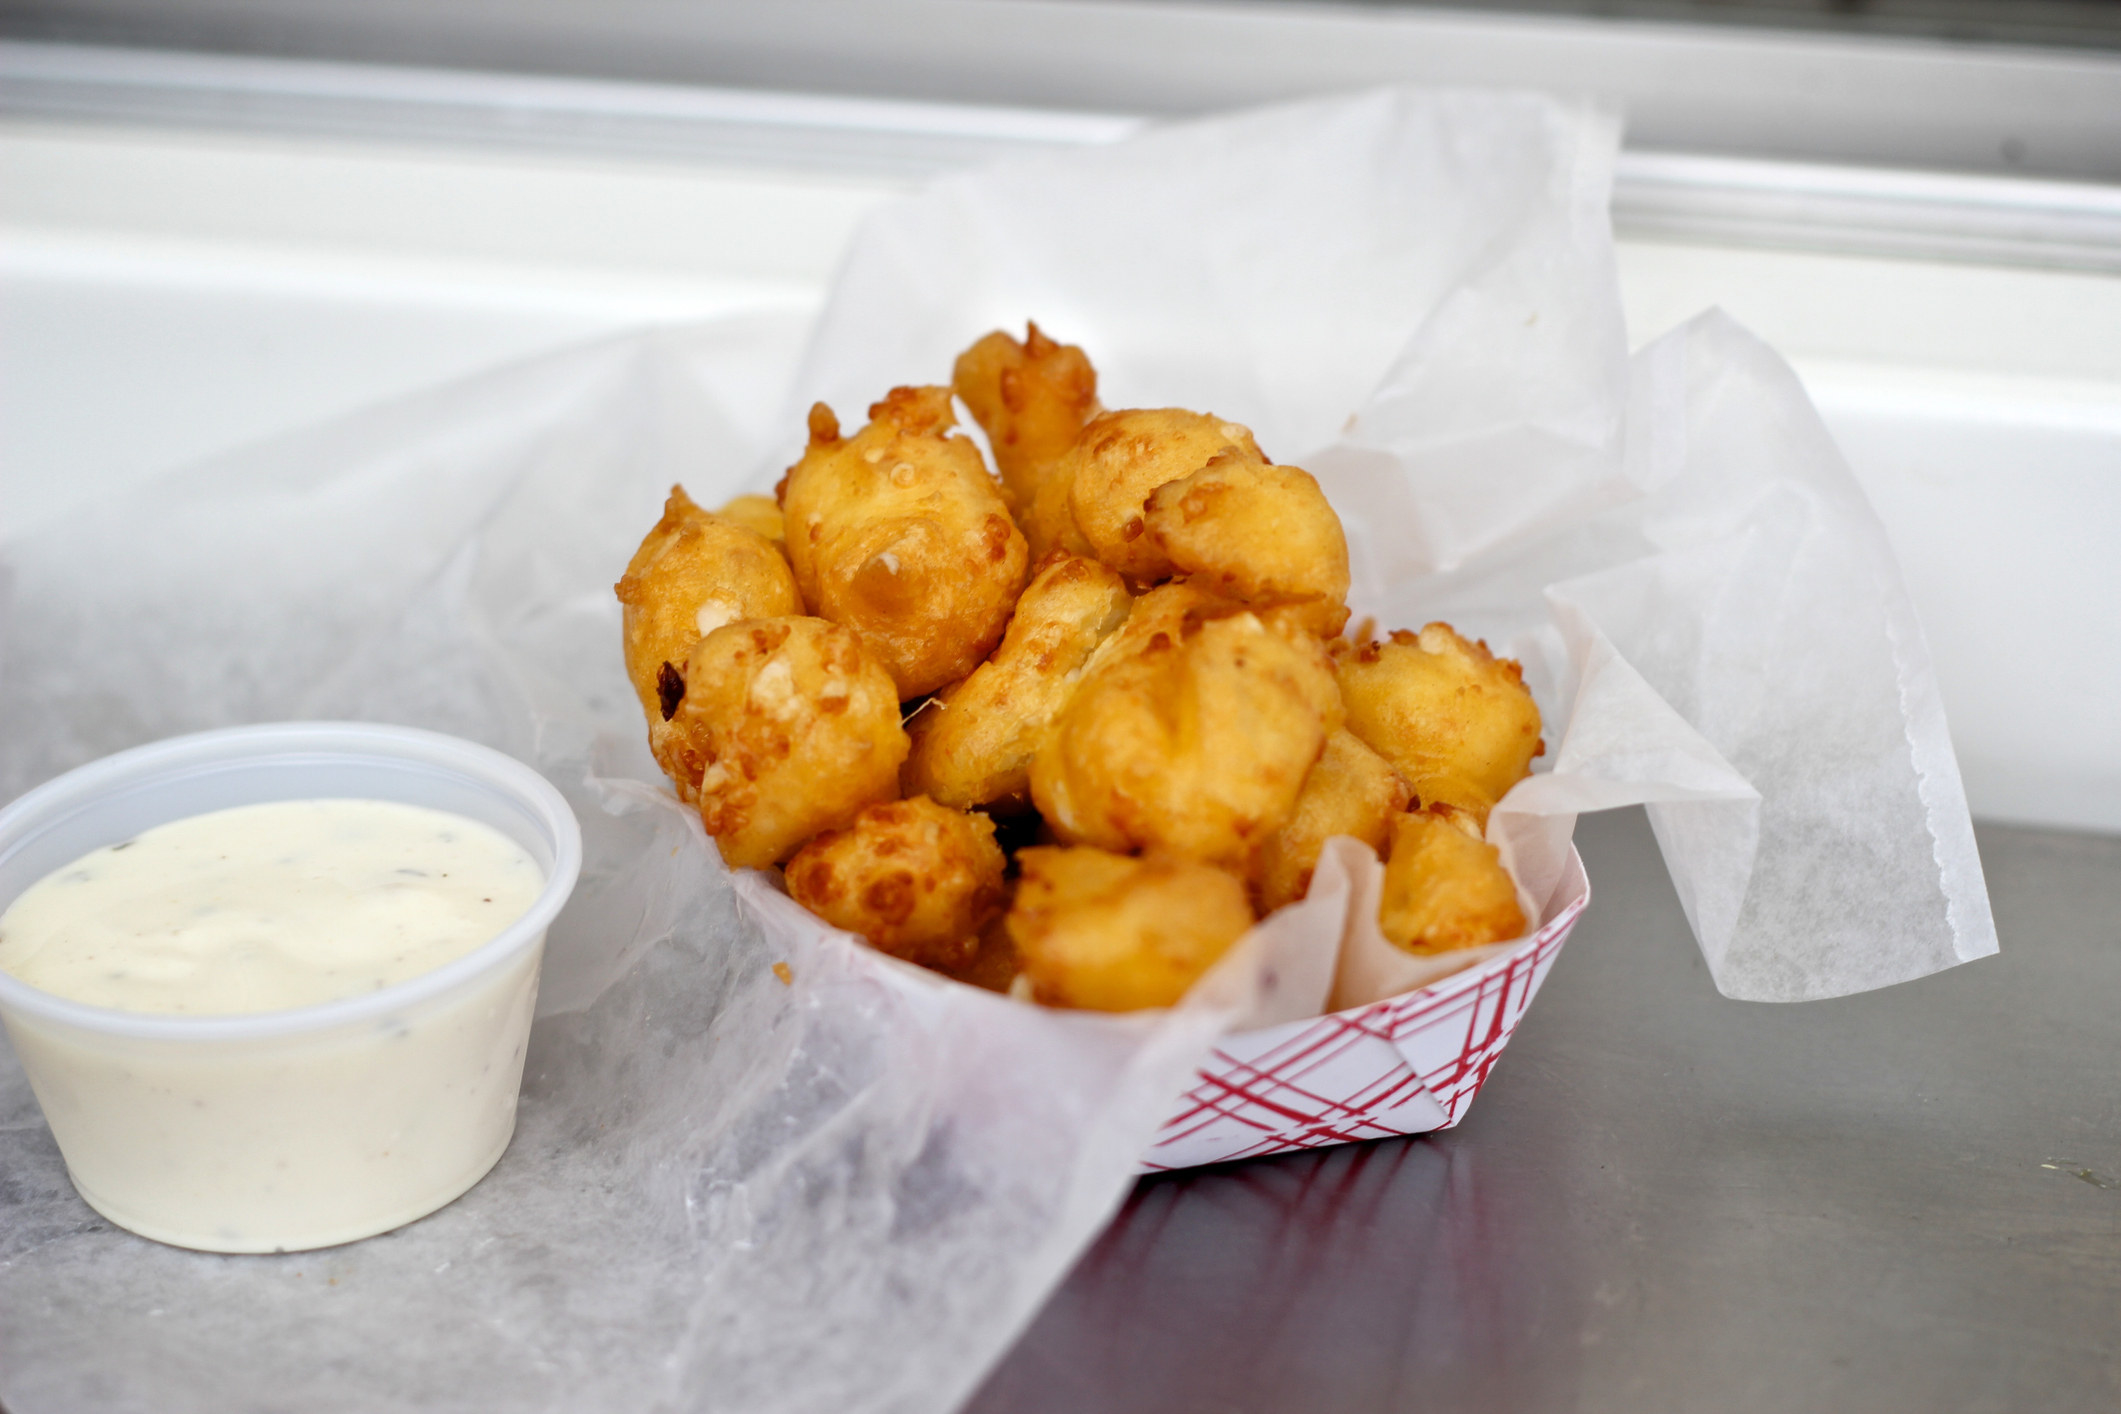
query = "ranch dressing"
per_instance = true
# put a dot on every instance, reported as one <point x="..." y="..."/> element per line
<point x="267" y="907"/>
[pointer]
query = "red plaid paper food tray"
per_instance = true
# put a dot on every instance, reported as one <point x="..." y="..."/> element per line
<point x="1405" y="1065"/>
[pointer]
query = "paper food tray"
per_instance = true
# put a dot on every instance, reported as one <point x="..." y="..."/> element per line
<point x="1404" y="1065"/>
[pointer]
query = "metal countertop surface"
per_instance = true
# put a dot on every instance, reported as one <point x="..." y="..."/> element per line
<point x="1906" y="1200"/>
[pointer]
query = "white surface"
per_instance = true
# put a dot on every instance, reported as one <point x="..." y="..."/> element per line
<point x="1794" y="94"/>
<point x="1698" y="193"/>
<point x="164" y="296"/>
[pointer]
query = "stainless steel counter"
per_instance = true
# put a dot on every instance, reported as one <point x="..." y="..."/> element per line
<point x="1908" y="1200"/>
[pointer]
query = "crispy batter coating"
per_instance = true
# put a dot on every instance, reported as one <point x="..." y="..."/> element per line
<point x="900" y="534"/>
<point x="758" y="513"/>
<point x="788" y="727"/>
<point x="1453" y="719"/>
<point x="1193" y="737"/>
<point x="1123" y="456"/>
<point x="1049" y="524"/>
<point x="1256" y="532"/>
<point x="1445" y="889"/>
<point x="693" y="573"/>
<point x="1469" y="824"/>
<point x="1031" y="398"/>
<point x="973" y="745"/>
<point x="917" y="879"/>
<point x="1110" y="933"/>
<point x="1170" y="609"/>
<point x="1351" y="791"/>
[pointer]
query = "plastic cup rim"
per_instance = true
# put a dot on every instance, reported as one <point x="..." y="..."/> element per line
<point x="381" y="742"/>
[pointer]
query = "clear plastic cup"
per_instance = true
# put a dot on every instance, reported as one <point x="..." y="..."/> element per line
<point x="285" y="1130"/>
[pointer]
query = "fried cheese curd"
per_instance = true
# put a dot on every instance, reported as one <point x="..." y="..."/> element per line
<point x="1455" y="721"/>
<point x="900" y="534"/>
<point x="1191" y="731"/>
<point x="1108" y="932"/>
<point x="1049" y="525"/>
<point x="1031" y="399"/>
<point x="1120" y="459"/>
<point x="761" y="514"/>
<point x="916" y="879"/>
<point x="973" y="743"/>
<point x="1167" y="691"/>
<point x="694" y="572"/>
<point x="1445" y="888"/>
<point x="1351" y="791"/>
<point x="787" y="727"/>
<point x="1258" y="533"/>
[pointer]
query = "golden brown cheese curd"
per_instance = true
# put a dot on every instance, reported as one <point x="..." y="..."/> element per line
<point x="1110" y="933"/>
<point x="694" y="572"/>
<point x="1031" y="399"/>
<point x="1195" y="740"/>
<point x="758" y="513"/>
<point x="1445" y="888"/>
<point x="972" y="745"/>
<point x="1120" y="458"/>
<point x="1454" y="720"/>
<point x="1048" y="523"/>
<point x="1351" y="791"/>
<point x="1167" y="609"/>
<point x="900" y="534"/>
<point x="788" y="727"/>
<point x="1256" y="532"/>
<point x="916" y="879"/>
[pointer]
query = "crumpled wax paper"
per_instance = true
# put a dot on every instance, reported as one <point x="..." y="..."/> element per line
<point x="850" y="1191"/>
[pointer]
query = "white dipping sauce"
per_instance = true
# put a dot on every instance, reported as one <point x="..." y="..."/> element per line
<point x="286" y="1137"/>
<point x="267" y="907"/>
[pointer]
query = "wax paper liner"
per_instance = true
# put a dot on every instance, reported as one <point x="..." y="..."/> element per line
<point x="840" y="1185"/>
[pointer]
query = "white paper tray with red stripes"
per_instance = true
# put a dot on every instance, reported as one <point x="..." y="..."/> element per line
<point x="1404" y="1065"/>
